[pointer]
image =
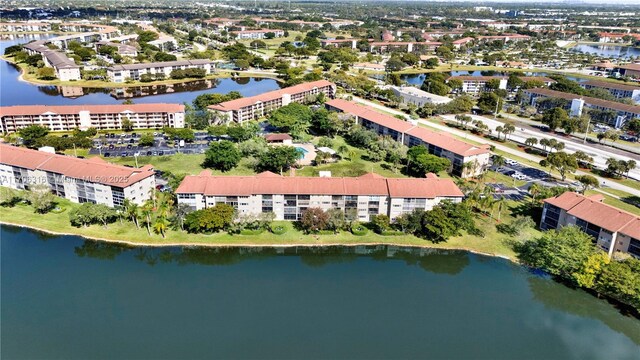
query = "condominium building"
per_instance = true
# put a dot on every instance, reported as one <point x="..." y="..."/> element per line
<point x="24" y="27"/>
<point x="630" y="70"/>
<point x="389" y="46"/>
<point x="65" y="68"/>
<point x="617" y="90"/>
<point x="577" y="103"/>
<point x="101" y="117"/>
<point x="613" y="230"/>
<point x="254" y="107"/>
<point x="288" y="196"/>
<point x="478" y="84"/>
<point x="79" y="180"/>
<point x="122" y="49"/>
<point x="121" y="73"/>
<point x="415" y="96"/>
<point x="257" y="34"/>
<point x="466" y="159"/>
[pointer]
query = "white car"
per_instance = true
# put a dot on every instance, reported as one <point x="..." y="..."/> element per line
<point x="519" y="176"/>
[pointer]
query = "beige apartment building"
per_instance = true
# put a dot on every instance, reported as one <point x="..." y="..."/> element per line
<point x="467" y="160"/>
<point x="79" y="180"/>
<point x="121" y="73"/>
<point x="101" y="117"/>
<point x="288" y="196"/>
<point x="255" y="107"/>
<point x="613" y="230"/>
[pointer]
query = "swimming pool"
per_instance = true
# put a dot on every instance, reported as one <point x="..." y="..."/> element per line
<point x="302" y="151"/>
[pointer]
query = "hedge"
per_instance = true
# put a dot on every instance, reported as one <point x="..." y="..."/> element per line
<point x="359" y="230"/>
<point x="391" y="233"/>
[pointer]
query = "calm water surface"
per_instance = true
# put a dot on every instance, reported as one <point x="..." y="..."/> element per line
<point x="66" y="298"/>
<point x="608" y="50"/>
<point x="16" y="92"/>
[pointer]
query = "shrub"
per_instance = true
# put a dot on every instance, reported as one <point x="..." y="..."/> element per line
<point x="278" y="229"/>
<point x="359" y="230"/>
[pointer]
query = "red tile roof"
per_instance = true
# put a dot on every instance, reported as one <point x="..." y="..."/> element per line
<point x="95" y="109"/>
<point x="277" y="137"/>
<point x="441" y="140"/>
<point x="594" y="211"/>
<point x="89" y="170"/>
<point x="238" y="104"/>
<point x="272" y="184"/>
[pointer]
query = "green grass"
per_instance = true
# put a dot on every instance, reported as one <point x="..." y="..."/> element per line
<point x="492" y="243"/>
<point x="616" y="202"/>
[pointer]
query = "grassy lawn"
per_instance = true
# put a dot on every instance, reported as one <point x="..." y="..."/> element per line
<point x="492" y="243"/>
<point x="610" y="200"/>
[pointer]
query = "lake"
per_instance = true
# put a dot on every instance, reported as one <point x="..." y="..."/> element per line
<point x="16" y="92"/>
<point x="68" y="298"/>
<point x="611" y="51"/>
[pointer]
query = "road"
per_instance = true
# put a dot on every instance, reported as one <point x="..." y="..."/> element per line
<point x="534" y="159"/>
<point x="600" y="156"/>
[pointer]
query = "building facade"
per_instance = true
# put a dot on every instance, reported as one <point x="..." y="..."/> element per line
<point x="255" y="107"/>
<point x="121" y="73"/>
<point x="467" y="160"/>
<point x="65" y="68"/>
<point x="619" y="91"/>
<point x="613" y="230"/>
<point x="79" y="180"/>
<point x="257" y="34"/>
<point x="101" y="117"/>
<point x="478" y="84"/>
<point x="288" y="196"/>
<point x="577" y="103"/>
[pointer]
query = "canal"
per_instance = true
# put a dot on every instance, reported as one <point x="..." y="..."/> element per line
<point x="67" y="298"/>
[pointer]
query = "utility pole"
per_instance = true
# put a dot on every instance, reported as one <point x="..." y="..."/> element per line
<point x="586" y="132"/>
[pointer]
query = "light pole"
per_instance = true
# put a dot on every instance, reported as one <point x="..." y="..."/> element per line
<point x="586" y="132"/>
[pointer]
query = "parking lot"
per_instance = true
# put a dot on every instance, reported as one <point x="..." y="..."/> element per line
<point x="127" y="144"/>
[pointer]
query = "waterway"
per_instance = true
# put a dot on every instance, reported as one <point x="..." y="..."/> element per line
<point x="16" y="92"/>
<point x="610" y="51"/>
<point x="68" y="298"/>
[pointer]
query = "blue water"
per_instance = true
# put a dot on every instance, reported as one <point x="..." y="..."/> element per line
<point x="610" y="51"/>
<point x="15" y="92"/>
<point x="303" y="152"/>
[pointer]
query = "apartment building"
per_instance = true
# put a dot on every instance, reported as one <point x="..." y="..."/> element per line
<point x="25" y="27"/>
<point x="467" y="160"/>
<point x="120" y="73"/>
<point x="101" y="117"/>
<point x="123" y="49"/>
<point x="630" y="70"/>
<point x="418" y="97"/>
<point x="613" y="230"/>
<point x="619" y="91"/>
<point x="79" y="180"/>
<point x="257" y="34"/>
<point x="389" y="46"/>
<point x="254" y="107"/>
<point x="478" y="84"/>
<point x="577" y="104"/>
<point x="289" y="196"/>
<point x="65" y="68"/>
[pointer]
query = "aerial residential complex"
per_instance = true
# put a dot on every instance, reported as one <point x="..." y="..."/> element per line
<point x="257" y="34"/>
<point x="289" y="196"/>
<point x="254" y="107"/>
<point x="467" y="160"/>
<point x="101" y="117"/>
<point x="613" y="230"/>
<point x="65" y="68"/>
<point x="122" y="73"/>
<point x="477" y="84"/>
<point x="79" y="180"/>
<point x="576" y="103"/>
<point x="619" y="91"/>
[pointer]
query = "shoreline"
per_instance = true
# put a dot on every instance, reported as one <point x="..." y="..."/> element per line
<point x="250" y="245"/>
<point x="220" y="74"/>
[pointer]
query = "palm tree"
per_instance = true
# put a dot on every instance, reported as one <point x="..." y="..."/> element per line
<point x="508" y="129"/>
<point x="499" y="130"/>
<point x="146" y="211"/>
<point x="531" y="142"/>
<point x="544" y="143"/>
<point x="501" y="204"/>
<point x="153" y="195"/>
<point x="161" y="225"/>
<point x="534" y="190"/>
<point x="181" y="211"/>
<point x="131" y="209"/>
<point x="629" y="165"/>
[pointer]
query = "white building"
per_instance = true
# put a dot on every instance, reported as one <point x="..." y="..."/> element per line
<point x="101" y="117"/>
<point x="415" y="96"/>
<point x="120" y="73"/>
<point x="257" y="34"/>
<point x="79" y="180"/>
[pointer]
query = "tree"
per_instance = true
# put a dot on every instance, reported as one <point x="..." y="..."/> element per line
<point x="41" y="198"/>
<point x="294" y="118"/>
<point x="146" y="211"/>
<point x="455" y="84"/>
<point x="222" y="155"/>
<point x="587" y="181"/>
<point x="314" y="219"/>
<point x="46" y="73"/>
<point x="161" y="225"/>
<point x="380" y="223"/>
<point x="278" y="158"/>
<point x="420" y="162"/>
<point x="488" y="102"/>
<point x="131" y="210"/>
<point x="32" y="133"/>
<point x="146" y="139"/>
<point x="180" y="212"/>
<point x="554" y="118"/>
<point x="394" y="64"/>
<point x="531" y="142"/>
<point x="446" y="220"/>
<point x="211" y="219"/>
<point x="126" y="124"/>
<point x="563" y="163"/>
<point x="335" y="219"/>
